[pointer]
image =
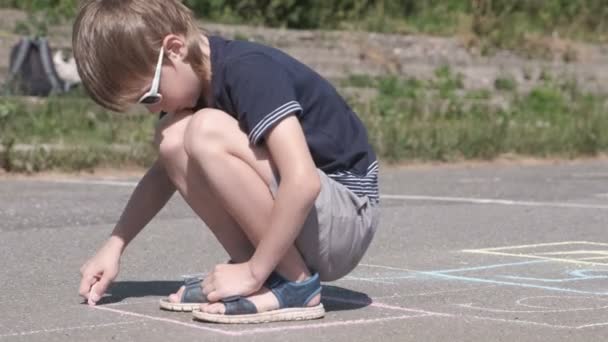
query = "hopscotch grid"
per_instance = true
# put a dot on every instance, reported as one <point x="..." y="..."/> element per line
<point x="546" y="244"/>
<point x="541" y="255"/>
<point x="600" y="252"/>
<point x="417" y="313"/>
<point x="420" y="314"/>
<point x="495" y="284"/>
<point x="591" y="325"/>
<point x="487" y="267"/>
<point x="539" y="259"/>
<point x="166" y="320"/>
<point x="595" y="258"/>
<point x="515" y="284"/>
<point x="481" y="308"/>
<point x="502" y="251"/>
<point x="491" y="251"/>
<point x="531" y="256"/>
<point x="553" y="280"/>
<point x="379" y="305"/>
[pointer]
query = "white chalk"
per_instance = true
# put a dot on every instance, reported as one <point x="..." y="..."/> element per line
<point x="93" y="296"/>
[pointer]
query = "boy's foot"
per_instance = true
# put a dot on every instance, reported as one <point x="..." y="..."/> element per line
<point x="176" y="297"/>
<point x="283" y="301"/>
<point x="264" y="300"/>
<point x="188" y="298"/>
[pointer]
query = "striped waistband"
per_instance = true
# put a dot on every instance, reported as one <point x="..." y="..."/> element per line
<point x="366" y="185"/>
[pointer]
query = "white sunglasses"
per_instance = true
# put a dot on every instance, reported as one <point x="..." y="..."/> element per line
<point x="152" y="96"/>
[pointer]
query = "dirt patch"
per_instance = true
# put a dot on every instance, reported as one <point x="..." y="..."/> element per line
<point x="97" y="174"/>
<point x="336" y="54"/>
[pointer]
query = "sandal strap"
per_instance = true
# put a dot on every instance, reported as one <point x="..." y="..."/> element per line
<point x="193" y="293"/>
<point x="239" y="306"/>
<point x="289" y="294"/>
<point x="274" y="280"/>
<point x="292" y="294"/>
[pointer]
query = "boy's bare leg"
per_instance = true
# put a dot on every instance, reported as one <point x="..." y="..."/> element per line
<point x="196" y="191"/>
<point x="226" y="230"/>
<point x="192" y="185"/>
<point x="239" y="175"/>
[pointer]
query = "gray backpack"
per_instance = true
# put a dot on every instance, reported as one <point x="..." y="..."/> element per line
<point x="31" y="70"/>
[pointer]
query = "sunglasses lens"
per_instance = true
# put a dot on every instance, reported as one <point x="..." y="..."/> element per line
<point x="150" y="100"/>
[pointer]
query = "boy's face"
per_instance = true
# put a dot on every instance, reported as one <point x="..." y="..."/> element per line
<point x="179" y="85"/>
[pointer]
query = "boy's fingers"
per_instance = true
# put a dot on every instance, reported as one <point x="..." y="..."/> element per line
<point x="93" y="296"/>
<point x="99" y="288"/>
<point x="85" y="285"/>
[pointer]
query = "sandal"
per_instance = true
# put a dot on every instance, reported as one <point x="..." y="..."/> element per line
<point x="193" y="296"/>
<point x="191" y="299"/>
<point x="292" y="297"/>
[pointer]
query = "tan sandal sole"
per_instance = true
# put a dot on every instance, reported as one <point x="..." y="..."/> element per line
<point x="289" y="314"/>
<point x="165" y="304"/>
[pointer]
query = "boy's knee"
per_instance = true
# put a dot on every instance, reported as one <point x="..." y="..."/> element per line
<point x="170" y="146"/>
<point x="169" y="139"/>
<point x="206" y="132"/>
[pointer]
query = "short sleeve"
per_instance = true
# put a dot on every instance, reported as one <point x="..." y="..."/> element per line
<point x="262" y="93"/>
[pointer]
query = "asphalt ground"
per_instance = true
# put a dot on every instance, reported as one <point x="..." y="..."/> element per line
<point x="487" y="252"/>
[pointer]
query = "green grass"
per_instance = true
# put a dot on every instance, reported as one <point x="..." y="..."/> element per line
<point x="74" y="158"/>
<point x="505" y="83"/>
<point x="87" y="136"/>
<point x="408" y="119"/>
<point x="70" y="121"/>
<point x="438" y="120"/>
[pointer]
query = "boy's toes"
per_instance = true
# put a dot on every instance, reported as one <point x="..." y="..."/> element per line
<point x="176" y="297"/>
<point x="264" y="300"/>
<point x="213" y="308"/>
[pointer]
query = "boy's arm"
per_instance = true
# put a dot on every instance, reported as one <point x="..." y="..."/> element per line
<point x="300" y="186"/>
<point x="151" y="194"/>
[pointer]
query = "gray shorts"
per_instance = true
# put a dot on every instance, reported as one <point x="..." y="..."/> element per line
<point x="337" y="231"/>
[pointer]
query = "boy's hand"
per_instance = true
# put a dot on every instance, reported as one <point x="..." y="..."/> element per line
<point x="98" y="273"/>
<point x="229" y="280"/>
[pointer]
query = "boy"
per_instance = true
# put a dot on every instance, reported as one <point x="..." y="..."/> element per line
<point x="261" y="147"/>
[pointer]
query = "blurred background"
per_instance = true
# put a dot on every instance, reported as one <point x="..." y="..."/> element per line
<point x="433" y="80"/>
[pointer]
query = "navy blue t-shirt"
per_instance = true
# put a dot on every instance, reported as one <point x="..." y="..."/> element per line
<point x="260" y="85"/>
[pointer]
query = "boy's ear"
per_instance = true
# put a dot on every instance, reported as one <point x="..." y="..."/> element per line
<point x="175" y="46"/>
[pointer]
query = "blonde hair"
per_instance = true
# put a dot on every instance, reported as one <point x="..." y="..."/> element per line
<point x="116" y="45"/>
